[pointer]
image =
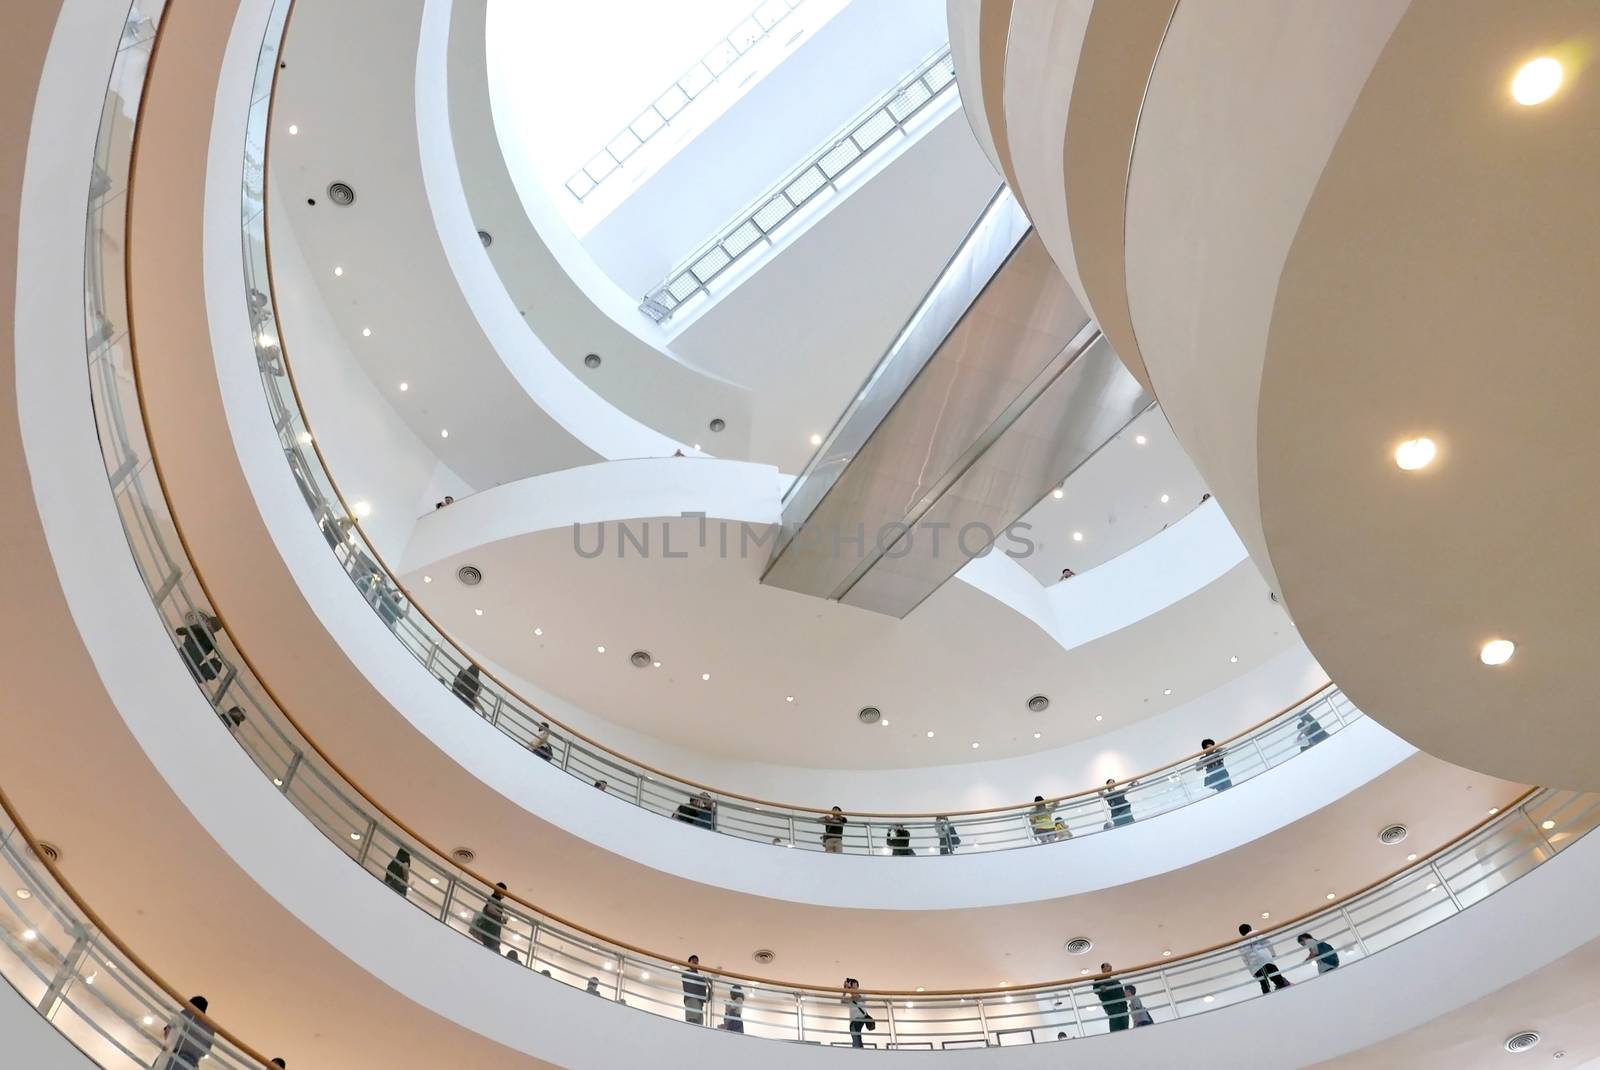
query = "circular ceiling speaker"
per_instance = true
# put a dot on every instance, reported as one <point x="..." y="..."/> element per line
<point x="341" y="193"/>
<point x="485" y="237"/>
<point x="1519" y="1042"/>
<point x="592" y="360"/>
<point x="869" y="715"/>
<point x="464" y="855"/>
<point x="640" y="659"/>
<point x="1039" y="703"/>
<point x="717" y="424"/>
<point x="1393" y="834"/>
<point x="470" y="575"/>
<point x="1079" y="945"/>
<point x="763" y="956"/>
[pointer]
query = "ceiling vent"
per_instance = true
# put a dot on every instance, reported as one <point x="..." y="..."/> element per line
<point x="1039" y="703"/>
<point x="592" y="360"/>
<point x="47" y="851"/>
<point x="764" y="956"/>
<point x="464" y="855"/>
<point x="1520" y="1042"/>
<point x="640" y="659"/>
<point x="341" y="193"/>
<point x="717" y="424"/>
<point x="1079" y="945"/>
<point x="470" y="575"/>
<point x="1393" y="834"/>
<point x="869" y="715"/>
<point x="485" y="237"/>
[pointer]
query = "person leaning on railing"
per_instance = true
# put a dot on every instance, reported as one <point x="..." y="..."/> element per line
<point x="1214" y="768"/>
<point x="860" y="1018"/>
<point x="489" y="923"/>
<point x="1113" y="998"/>
<point x="1042" y="820"/>
<point x="833" y="823"/>
<point x="187" y="1039"/>
<point x="696" y="992"/>
<point x="949" y="840"/>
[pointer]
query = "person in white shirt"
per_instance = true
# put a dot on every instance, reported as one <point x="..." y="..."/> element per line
<point x="1257" y="955"/>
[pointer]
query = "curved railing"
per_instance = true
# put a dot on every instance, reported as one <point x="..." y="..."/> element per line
<point x="1436" y="887"/>
<point x="1188" y="779"/>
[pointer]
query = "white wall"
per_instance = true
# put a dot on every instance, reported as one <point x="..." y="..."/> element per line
<point x="377" y="457"/>
<point x="27" y="1040"/>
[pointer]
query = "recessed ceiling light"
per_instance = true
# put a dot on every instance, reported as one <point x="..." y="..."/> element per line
<point x="1497" y="651"/>
<point x="975" y="745"/>
<point x="1265" y="915"/>
<point x="1331" y="896"/>
<point x="705" y="676"/>
<point x="930" y="735"/>
<point x="444" y="433"/>
<point x="363" y="509"/>
<point x="599" y="650"/>
<point x="427" y="579"/>
<point x="1077" y="536"/>
<point x="538" y="631"/>
<point x="23" y="893"/>
<point x="1165" y="498"/>
<point x="1084" y="971"/>
<point x="1099" y="716"/>
<point x="338" y="271"/>
<point x="644" y="975"/>
<point x="355" y="835"/>
<point x="883" y="723"/>
<point x="1140" y="439"/>
<point x="1168" y="691"/>
<point x="697" y="447"/>
<point x="1208" y="999"/>
<point x="788" y="698"/>
<point x="147" y="1019"/>
<point x="404" y="387"/>
<point x="29" y="935"/>
<point x="1493" y="810"/>
<point x="920" y="988"/>
<point x="1415" y="453"/>
<point x="293" y="129"/>
<point x="277" y="783"/>
<point x="479" y="612"/>
<point x="653" y="664"/>
<point x="1058" y="493"/>
<point x="366" y="332"/>
<point x="1004" y="983"/>
<point x="1547" y="825"/>
<point x="1411" y="857"/>
<point x="1167" y="954"/>
<point x="1233" y="660"/>
<point x="1536" y="81"/>
<point x="1036" y="735"/>
<point x="816" y="440"/>
<point x="433" y="880"/>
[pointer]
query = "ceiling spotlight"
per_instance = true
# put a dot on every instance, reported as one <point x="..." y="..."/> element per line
<point x="1536" y="81"/>
<point x="1077" y="536"/>
<point x="1058" y="493"/>
<point x="366" y="332"/>
<point x="1415" y="453"/>
<point x="1547" y="825"/>
<point x="293" y="129"/>
<point x="920" y="988"/>
<point x="1234" y="660"/>
<point x="147" y="1019"/>
<point x="1497" y="651"/>
<point x="592" y="360"/>
<point x="404" y="387"/>
<point x="29" y="935"/>
<point x="444" y="433"/>
<point x="337" y="272"/>
<point x="1140" y="439"/>
<point x="1099" y="716"/>
<point x="363" y="509"/>
<point x="427" y="579"/>
<point x="1493" y="810"/>
<point x="975" y="745"/>
<point x="355" y="835"/>
<point x="433" y="880"/>
<point x="1165" y="498"/>
<point x="1411" y="857"/>
<point x="788" y="698"/>
<point x="479" y="612"/>
<point x="1167" y="954"/>
<point x="816" y="440"/>
<point x="599" y="650"/>
<point x="1208" y="999"/>
<point x="717" y="423"/>
<point x="1168" y="691"/>
<point x="883" y="724"/>
<point x="1036" y="735"/>
<point x="23" y="893"/>
<point x="1330" y="897"/>
<point x="930" y="734"/>
<point x="705" y="676"/>
<point x="653" y="664"/>
<point x="304" y="438"/>
<point x="538" y="631"/>
<point x="1265" y="915"/>
<point x="644" y="975"/>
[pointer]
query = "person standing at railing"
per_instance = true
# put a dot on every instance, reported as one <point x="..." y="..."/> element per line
<point x="1113" y="998"/>
<point x="540" y="743"/>
<point x="1214" y="768"/>
<point x="696" y="993"/>
<point x="859" y="1017"/>
<point x="899" y="841"/>
<point x="1319" y="951"/>
<point x="467" y="686"/>
<point x="1257" y="955"/>
<point x="1117" y="802"/>
<point x="1042" y="820"/>
<point x="187" y="1039"/>
<point x="1310" y="731"/>
<point x="199" y="645"/>
<point x="489" y="923"/>
<point x="733" y="1012"/>
<point x="949" y="840"/>
<point x="833" y="823"/>
<point x="397" y="874"/>
<point x="1136" y="1009"/>
<point x="698" y="810"/>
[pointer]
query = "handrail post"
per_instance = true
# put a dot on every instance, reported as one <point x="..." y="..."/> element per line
<point x="1344" y="912"/>
<point x="888" y="1012"/>
<point x="50" y="1002"/>
<point x="1433" y="867"/>
<point x="983" y="1020"/>
<point x="294" y="767"/>
<point x="800" y="1016"/>
<point x="1166" y="988"/>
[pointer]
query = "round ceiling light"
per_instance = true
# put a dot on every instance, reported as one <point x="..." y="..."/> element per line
<point x="592" y="360"/>
<point x="470" y="575"/>
<point x="1536" y="81"/>
<point x="869" y="715"/>
<point x="1415" y="453"/>
<point x="341" y="193"/>
<point x="1039" y="703"/>
<point x="640" y="659"/>
<point x="1497" y="651"/>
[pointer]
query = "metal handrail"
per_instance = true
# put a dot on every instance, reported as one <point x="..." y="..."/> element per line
<point x="759" y="224"/>
<point x="1485" y="858"/>
<point x="671" y="102"/>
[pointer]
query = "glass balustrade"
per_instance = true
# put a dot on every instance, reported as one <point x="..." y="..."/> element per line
<point x="120" y="1011"/>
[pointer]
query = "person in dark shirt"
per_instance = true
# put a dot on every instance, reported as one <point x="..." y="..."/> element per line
<point x="699" y="810"/>
<point x="1216" y="771"/>
<point x="899" y="840"/>
<point x="1117" y="802"/>
<point x="1319" y="951"/>
<point x="397" y="874"/>
<point x="1310" y="731"/>
<point x="467" y="685"/>
<point x="188" y="1038"/>
<point x="833" y="823"/>
<point x="1113" y="998"/>
<point x="733" y="1015"/>
<point x="696" y="993"/>
<point x="489" y="923"/>
<point x="949" y="839"/>
<point x="199" y="646"/>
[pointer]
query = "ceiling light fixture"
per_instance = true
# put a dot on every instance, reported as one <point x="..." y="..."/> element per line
<point x="1140" y="439"/>
<point x="363" y="509"/>
<point x="1497" y="651"/>
<point x="930" y="734"/>
<point x="1547" y="825"/>
<point x="338" y="272"/>
<point x="1415" y="453"/>
<point x="975" y="744"/>
<point x="304" y="438"/>
<point x="1330" y="896"/>
<point x="366" y="332"/>
<point x="816" y="440"/>
<point x="1165" y="498"/>
<point x="355" y="836"/>
<point x="293" y="129"/>
<point x="1493" y="810"/>
<point x="404" y="387"/>
<point x="538" y="631"/>
<point x="1036" y="735"/>
<point x="599" y="650"/>
<point x="479" y="612"/>
<point x="1167" y="954"/>
<point x="29" y="935"/>
<point x="883" y="724"/>
<point x="1058" y="493"/>
<point x="444" y="433"/>
<point x="1265" y="915"/>
<point x="705" y="676"/>
<point x="1536" y="81"/>
<point x="23" y="893"/>
<point x="1077" y="536"/>
<point x="788" y="698"/>
<point x="147" y="1019"/>
<point x="1411" y="857"/>
<point x="1233" y="660"/>
<point x="1099" y="716"/>
<point x="427" y="579"/>
<point x="655" y="665"/>
<point x="1168" y="691"/>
